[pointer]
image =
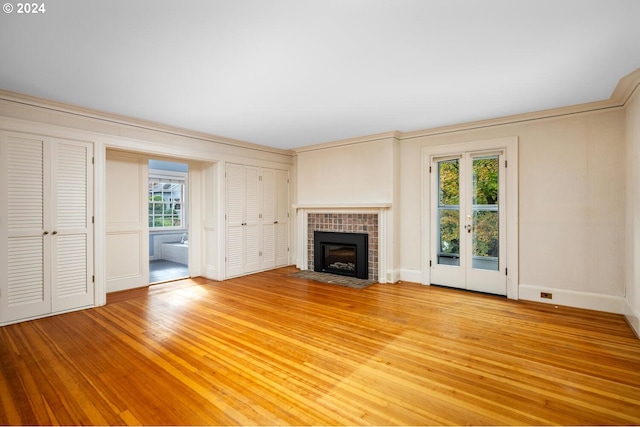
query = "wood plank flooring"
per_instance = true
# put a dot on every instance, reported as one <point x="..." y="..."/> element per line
<point x="270" y="349"/>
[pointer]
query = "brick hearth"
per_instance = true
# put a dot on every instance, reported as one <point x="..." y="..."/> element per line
<point x="346" y="223"/>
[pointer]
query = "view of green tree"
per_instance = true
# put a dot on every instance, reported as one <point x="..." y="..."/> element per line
<point x="449" y="186"/>
<point x="485" y="181"/>
<point x="449" y="196"/>
<point x="161" y="217"/>
<point x="485" y="192"/>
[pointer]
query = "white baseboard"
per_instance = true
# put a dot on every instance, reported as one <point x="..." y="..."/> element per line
<point x="587" y="300"/>
<point x="210" y="273"/>
<point x="633" y="317"/>
<point x="392" y="276"/>
<point x="405" y="275"/>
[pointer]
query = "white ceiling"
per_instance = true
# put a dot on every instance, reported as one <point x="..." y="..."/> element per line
<point x="291" y="73"/>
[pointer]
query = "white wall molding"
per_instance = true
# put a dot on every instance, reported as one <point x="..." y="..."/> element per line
<point x="633" y="318"/>
<point x="50" y="108"/>
<point x="414" y="276"/>
<point x="577" y="299"/>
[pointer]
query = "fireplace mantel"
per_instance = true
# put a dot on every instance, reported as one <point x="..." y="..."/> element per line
<point x="324" y="207"/>
<point x="382" y="210"/>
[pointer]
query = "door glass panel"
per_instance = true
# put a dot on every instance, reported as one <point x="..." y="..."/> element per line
<point x="449" y="212"/>
<point x="485" y="207"/>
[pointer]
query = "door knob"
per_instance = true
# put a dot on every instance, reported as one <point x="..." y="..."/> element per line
<point x="45" y="233"/>
<point x="54" y="233"/>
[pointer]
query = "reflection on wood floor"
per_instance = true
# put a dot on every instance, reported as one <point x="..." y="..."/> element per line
<point x="270" y="349"/>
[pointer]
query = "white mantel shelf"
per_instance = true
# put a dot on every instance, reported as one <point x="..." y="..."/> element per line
<point x="342" y="206"/>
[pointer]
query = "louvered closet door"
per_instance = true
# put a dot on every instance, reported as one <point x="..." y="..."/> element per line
<point x="282" y="218"/>
<point x="235" y="221"/>
<point x="269" y="221"/>
<point x="252" y="220"/>
<point x="24" y="268"/>
<point x="72" y="239"/>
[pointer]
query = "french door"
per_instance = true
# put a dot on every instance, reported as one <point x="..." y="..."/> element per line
<point x="468" y="221"/>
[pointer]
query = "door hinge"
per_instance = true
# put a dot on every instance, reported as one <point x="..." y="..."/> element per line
<point x="430" y="263"/>
<point x="260" y="216"/>
<point x="429" y="169"/>
<point x="505" y="163"/>
<point x="93" y="220"/>
<point x="287" y="249"/>
<point x="260" y="253"/>
<point x="287" y="180"/>
<point x="93" y="160"/>
<point x="93" y="278"/>
<point x="506" y="271"/>
<point x="260" y="178"/>
<point x="225" y="259"/>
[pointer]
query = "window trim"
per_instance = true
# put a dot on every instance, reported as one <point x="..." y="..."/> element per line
<point x="182" y="178"/>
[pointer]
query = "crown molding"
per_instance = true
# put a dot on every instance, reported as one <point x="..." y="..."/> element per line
<point x="622" y="93"/>
<point x="397" y="135"/>
<point x="117" y="119"/>
<point x="626" y="87"/>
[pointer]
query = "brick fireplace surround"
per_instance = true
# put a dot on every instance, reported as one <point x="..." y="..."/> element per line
<point x="346" y="223"/>
<point x="368" y="218"/>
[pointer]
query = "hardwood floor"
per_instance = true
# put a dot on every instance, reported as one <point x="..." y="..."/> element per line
<point x="277" y="350"/>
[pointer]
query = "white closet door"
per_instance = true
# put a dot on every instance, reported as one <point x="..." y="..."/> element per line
<point x="269" y="222"/>
<point x="282" y="218"/>
<point x="235" y="221"/>
<point x="72" y="236"/>
<point x="252" y="220"/>
<point x="24" y="269"/>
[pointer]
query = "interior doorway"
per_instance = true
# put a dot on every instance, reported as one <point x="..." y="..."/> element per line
<point x="168" y="221"/>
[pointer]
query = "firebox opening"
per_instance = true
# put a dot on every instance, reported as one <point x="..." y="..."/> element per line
<point x="341" y="253"/>
<point x="339" y="259"/>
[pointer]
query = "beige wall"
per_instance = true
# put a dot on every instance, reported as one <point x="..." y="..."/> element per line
<point x="571" y="194"/>
<point x="361" y="172"/>
<point x="571" y="199"/>
<point x="632" y="270"/>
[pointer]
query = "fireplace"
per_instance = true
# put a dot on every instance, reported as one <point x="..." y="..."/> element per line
<point x="346" y="254"/>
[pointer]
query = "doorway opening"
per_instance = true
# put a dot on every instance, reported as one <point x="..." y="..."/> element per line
<point x="168" y="225"/>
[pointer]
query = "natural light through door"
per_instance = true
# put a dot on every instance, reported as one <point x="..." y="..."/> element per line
<point x="469" y="223"/>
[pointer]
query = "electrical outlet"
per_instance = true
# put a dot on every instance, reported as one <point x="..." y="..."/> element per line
<point x="546" y="295"/>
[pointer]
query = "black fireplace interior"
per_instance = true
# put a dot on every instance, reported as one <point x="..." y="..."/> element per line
<point x="341" y="253"/>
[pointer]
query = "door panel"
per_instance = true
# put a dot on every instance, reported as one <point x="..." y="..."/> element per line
<point x="469" y="227"/>
<point x="23" y="291"/>
<point x="72" y="225"/>
<point x="127" y="214"/>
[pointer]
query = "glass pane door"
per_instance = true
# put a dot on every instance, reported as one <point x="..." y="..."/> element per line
<point x="485" y="214"/>
<point x="468" y="222"/>
<point x="449" y="212"/>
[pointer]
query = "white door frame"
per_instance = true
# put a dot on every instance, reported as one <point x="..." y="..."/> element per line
<point x="510" y="147"/>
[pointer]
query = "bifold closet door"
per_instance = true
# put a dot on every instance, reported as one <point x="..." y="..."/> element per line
<point x="25" y="230"/>
<point x="72" y="223"/>
<point x="47" y="226"/>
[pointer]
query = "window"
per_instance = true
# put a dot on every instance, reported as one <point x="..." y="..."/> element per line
<point x="167" y="200"/>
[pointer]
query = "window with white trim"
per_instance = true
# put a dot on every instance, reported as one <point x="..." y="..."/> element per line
<point x="167" y="207"/>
